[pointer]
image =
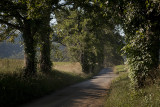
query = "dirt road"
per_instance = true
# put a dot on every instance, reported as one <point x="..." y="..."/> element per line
<point x="89" y="93"/>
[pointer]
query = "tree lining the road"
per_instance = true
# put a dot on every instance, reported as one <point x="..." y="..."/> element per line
<point x="140" y="22"/>
<point x="86" y="36"/>
<point x="87" y="28"/>
<point x="26" y="16"/>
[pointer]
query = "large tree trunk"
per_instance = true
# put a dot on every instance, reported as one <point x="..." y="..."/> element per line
<point x="45" y="61"/>
<point x="29" y="49"/>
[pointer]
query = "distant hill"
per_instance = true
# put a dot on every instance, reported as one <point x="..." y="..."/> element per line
<point x="16" y="51"/>
<point x="11" y="50"/>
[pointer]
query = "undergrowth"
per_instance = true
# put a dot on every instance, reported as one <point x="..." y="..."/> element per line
<point x="121" y="94"/>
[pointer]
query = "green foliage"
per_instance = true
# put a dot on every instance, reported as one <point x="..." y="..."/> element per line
<point x="31" y="18"/>
<point x="86" y="36"/>
<point x="83" y="33"/>
<point x="112" y="53"/>
<point x="8" y="33"/>
<point x="142" y="34"/>
<point x="37" y="9"/>
<point x="59" y="53"/>
<point x="77" y="38"/>
<point x="139" y="60"/>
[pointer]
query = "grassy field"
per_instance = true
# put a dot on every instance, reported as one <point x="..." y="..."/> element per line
<point x="73" y="67"/>
<point x="121" y="94"/>
<point x="15" y="89"/>
<point x="10" y="65"/>
<point x="13" y="65"/>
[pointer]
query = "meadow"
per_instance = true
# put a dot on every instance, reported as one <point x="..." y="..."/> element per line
<point x="122" y="95"/>
<point x="15" y="89"/>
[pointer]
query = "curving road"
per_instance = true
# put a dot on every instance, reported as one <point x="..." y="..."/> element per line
<point x="89" y="93"/>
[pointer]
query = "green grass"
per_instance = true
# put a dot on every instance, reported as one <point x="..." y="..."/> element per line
<point x="121" y="94"/>
<point x="119" y="68"/>
<point x="16" y="90"/>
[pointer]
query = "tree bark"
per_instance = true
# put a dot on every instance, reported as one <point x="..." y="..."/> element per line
<point x="29" y="49"/>
<point x="45" y="62"/>
<point x="85" y="63"/>
<point x="45" y="49"/>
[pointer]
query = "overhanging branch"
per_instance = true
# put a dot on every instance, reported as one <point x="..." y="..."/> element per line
<point x="11" y="25"/>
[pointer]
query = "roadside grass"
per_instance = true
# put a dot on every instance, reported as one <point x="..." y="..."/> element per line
<point x="121" y="94"/>
<point x="15" y="89"/>
<point x="119" y="69"/>
<point x="73" y="67"/>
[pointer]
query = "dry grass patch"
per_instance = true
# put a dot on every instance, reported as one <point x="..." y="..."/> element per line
<point x="11" y="65"/>
<point x="73" y="67"/>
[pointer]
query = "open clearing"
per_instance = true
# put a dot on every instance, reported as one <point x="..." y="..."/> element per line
<point x="89" y="93"/>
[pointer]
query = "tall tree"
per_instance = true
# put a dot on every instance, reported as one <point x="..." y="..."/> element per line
<point x="14" y="16"/>
<point x="84" y="34"/>
<point x="32" y="18"/>
<point x="41" y="10"/>
<point x="140" y="21"/>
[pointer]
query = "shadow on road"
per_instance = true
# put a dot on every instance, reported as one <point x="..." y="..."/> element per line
<point x="89" y="93"/>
